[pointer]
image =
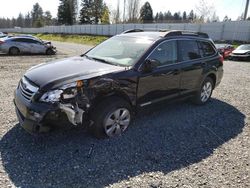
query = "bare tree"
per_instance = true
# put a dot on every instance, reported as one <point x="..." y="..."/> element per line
<point x="205" y="10"/>
<point x="116" y="14"/>
<point x="133" y="11"/>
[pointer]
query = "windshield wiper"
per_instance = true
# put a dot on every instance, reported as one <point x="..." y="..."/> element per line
<point x="102" y="60"/>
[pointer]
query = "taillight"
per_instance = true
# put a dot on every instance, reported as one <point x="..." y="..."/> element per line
<point x="221" y="59"/>
<point x="1" y="42"/>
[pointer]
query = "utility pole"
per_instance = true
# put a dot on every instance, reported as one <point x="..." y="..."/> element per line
<point x="124" y="8"/>
<point x="246" y="10"/>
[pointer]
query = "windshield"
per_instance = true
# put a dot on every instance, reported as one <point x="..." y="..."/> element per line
<point x="243" y="47"/>
<point x="120" y="50"/>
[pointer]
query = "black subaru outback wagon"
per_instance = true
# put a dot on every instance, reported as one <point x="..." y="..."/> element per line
<point x="102" y="88"/>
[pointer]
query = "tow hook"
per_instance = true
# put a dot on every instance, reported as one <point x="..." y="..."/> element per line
<point x="74" y="113"/>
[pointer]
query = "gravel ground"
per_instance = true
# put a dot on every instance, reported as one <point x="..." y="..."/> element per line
<point x="174" y="145"/>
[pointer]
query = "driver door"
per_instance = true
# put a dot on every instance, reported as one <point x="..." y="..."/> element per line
<point x="162" y="82"/>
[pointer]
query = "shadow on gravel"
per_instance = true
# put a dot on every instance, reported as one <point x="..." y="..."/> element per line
<point x="162" y="138"/>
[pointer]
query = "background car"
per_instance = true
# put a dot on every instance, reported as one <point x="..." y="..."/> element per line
<point x="224" y="49"/>
<point x="2" y="34"/>
<point x="242" y="52"/>
<point x="24" y="45"/>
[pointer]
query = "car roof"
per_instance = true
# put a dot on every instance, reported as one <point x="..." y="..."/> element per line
<point x="22" y="37"/>
<point x="155" y="35"/>
<point x="149" y="34"/>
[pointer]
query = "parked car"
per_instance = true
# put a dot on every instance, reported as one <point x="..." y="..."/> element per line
<point x="102" y="88"/>
<point x="2" y="34"/>
<point x="242" y="52"/>
<point x="23" y="45"/>
<point x="225" y="49"/>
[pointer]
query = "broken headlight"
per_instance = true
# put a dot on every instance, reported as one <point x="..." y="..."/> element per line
<point x="66" y="91"/>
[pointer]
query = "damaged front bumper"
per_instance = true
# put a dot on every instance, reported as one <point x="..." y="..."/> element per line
<point x="34" y="117"/>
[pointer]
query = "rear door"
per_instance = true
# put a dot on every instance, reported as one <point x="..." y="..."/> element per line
<point x="21" y="44"/>
<point x="164" y="81"/>
<point x="192" y="64"/>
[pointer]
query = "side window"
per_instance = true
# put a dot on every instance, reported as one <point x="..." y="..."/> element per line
<point x="17" y="40"/>
<point x="188" y="50"/>
<point x="165" y="53"/>
<point x="208" y="50"/>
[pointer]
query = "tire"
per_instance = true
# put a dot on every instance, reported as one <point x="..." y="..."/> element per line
<point x="50" y="52"/>
<point x="14" y="51"/>
<point x="111" y="118"/>
<point x="205" y="92"/>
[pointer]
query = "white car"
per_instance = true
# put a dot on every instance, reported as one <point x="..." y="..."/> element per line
<point x="25" y="45"/>
<point x="242" y="52"/>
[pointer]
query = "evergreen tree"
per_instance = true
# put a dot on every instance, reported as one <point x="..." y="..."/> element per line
<point x="157" y="17"/>
<point x="20" y="20"/>
<point x="86" y="12"/>
<point x="184" y="16"/>
<point x="161" y="17"/>
<point x="28" y="20"/>
<point x="37" y="16"/>
<point x="191" y="16"/>
<point x="67" y="11"/>
<point x="92" y="11"/>
<point x="146" y="13"/>
<point x="105" y="19"/>
<point x="47" y="18"/>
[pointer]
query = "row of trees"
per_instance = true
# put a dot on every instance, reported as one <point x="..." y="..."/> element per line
<point x="97" y="12"/>
<point x="35" y="18"/>
<point x="91" y="12"/>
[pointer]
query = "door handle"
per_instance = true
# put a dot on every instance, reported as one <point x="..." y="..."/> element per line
<point x="173" y="72"/>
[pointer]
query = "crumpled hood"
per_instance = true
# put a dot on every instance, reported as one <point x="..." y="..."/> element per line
<point x="68" y="70"/>
<point x="240" y="51"/>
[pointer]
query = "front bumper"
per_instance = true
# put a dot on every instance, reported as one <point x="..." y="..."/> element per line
<point x="32" y="116"/>
<point x="239" y="55"/>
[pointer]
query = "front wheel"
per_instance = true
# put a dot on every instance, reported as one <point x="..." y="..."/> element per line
<point x="50" y="52"/>
<point x="205" y="92"/>
<point x="111" y="117"/>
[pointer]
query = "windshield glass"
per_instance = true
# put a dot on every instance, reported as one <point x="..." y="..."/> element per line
<point x="244" y="47"/>
<point x="120" y="50"/>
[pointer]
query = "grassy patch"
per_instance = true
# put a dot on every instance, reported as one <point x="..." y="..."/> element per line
<point x="80" y="39"/>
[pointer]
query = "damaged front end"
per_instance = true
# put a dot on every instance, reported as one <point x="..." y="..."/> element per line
<point x="43" y="109"/>
<point x="70" y="99"/>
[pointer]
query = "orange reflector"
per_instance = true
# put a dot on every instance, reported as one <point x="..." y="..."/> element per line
<point x="79" y="83"/>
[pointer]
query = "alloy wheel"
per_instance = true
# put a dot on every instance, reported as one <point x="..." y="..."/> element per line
<point x="117" y="122"/>
<point x="206" y="92"/>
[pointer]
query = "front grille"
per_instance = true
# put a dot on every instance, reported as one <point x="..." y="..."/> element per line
<point x="27" y="89"/>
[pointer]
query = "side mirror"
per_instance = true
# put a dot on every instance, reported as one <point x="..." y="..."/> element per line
<point x="149" y="65"/>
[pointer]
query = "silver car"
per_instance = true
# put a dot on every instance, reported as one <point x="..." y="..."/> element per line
<point x="26" y="45"/>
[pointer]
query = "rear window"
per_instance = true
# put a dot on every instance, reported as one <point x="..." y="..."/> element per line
<point x="188" y="50"/>
<point x="207" y="49"/>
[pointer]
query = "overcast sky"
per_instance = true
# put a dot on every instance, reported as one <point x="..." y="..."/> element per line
<point x="231" y="8"/>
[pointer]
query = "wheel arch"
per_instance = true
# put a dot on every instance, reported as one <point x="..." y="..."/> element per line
<point x="213" y="77"/>
<point x="118" y="94"/>
<point x="14" y="47"/>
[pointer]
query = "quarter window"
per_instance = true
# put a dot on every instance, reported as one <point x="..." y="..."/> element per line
<point x="207" y="48"/>
<point x="188" y="50"/>
<point x="165" y="53"/>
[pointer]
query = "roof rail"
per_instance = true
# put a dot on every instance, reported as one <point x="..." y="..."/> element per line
<point x="185" y="33"/>
<point x="132" y="31"/>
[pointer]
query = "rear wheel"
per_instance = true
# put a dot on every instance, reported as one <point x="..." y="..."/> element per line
<point x="111" y="117"/>
<point x="14" y="51"/>
<point x="205" y="92"/>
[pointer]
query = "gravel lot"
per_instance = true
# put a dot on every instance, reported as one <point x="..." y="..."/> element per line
<point x="174" y="145"/>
